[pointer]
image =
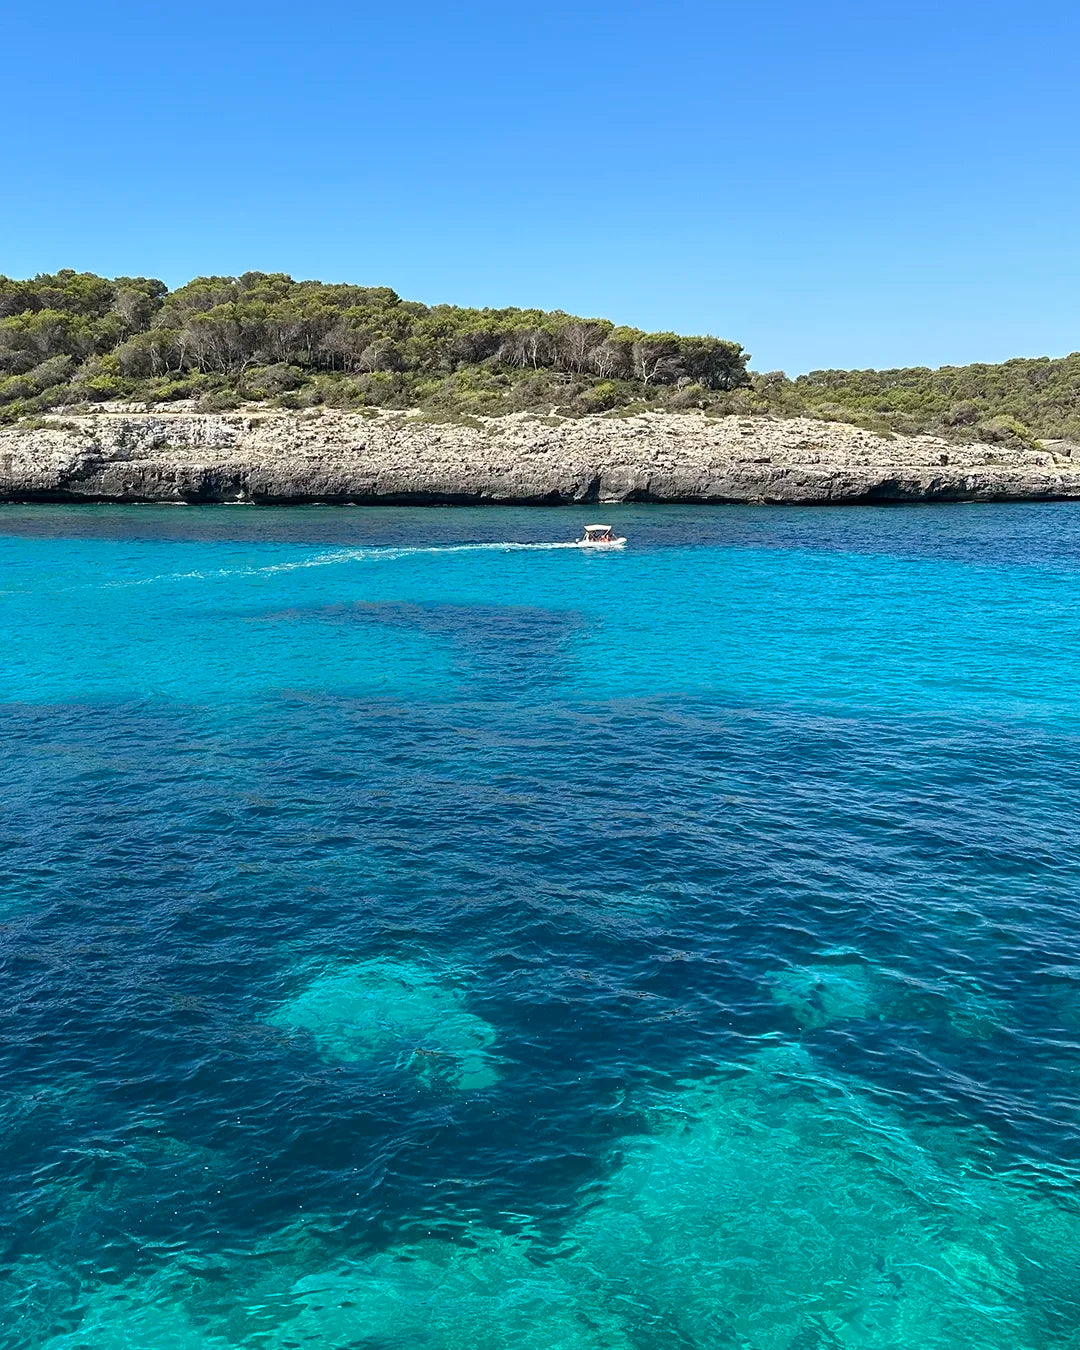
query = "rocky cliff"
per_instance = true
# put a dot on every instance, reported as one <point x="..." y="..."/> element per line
<point x="269" y="455"/>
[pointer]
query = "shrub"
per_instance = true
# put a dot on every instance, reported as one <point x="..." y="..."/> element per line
<point x="48" y="424"/>
<point x="169" y="390"/>
<point x="1004" y="429"/>
<point x="601" y="397"/>
<point x="383" y="389"/>
<point x="269" y="381"/>
<point x="219" y="400"/>
<point x="98" y="388"/>
<point x="57" y="370"/>
<point x="684" y="397"/>
<point x="961" y="415"/>
<point x="829" y="412"/>
<point x="16" y="387"/>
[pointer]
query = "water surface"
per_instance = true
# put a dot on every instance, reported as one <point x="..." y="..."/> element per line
<point x="414" y="934"/>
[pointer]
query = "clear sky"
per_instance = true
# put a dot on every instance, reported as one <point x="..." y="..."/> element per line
<point x="838" y="184"/>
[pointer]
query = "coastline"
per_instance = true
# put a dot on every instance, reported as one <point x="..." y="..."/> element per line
<point x="270" y="456"/>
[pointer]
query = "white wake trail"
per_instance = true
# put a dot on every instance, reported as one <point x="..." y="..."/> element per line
<point x="337" y="557"/>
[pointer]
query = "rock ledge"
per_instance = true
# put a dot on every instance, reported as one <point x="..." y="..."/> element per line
<point x="120" y="454"/>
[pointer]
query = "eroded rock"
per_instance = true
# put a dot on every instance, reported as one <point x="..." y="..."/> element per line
<point x="273" y="456"/>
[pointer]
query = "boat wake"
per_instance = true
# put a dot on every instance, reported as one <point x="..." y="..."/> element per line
<point x="341" y="556"/>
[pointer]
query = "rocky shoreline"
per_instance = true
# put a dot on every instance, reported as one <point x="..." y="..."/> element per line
<point x="264" y="455"/>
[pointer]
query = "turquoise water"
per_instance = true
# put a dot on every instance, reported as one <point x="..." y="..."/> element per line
<point x="418" y="934"/>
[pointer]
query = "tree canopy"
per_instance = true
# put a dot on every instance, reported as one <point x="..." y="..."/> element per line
<point x="75" y="338"/>
<point x="1040" y="395"/>
<point x="1026" y="398"/>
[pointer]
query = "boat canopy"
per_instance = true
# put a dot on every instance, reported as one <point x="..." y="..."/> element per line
<point x="591" y="528"/>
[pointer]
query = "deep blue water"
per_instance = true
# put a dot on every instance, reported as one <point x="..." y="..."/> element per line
<point x="412" y="939"/>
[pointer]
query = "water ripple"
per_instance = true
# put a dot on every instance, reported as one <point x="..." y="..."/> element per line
<point x="458" y="954"/>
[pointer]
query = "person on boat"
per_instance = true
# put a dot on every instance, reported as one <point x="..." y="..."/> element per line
<point x="600" y="534"/>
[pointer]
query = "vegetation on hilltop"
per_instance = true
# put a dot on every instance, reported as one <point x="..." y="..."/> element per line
<point x="75" y="339"/>
<point x="78" y="338"/>
<point x="1023" y="398"/>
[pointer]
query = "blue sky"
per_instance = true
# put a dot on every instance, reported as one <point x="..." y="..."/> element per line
<point x="832" y="185"/>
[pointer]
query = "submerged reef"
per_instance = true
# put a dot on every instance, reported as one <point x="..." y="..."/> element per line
<point x="149" y="1320"/>
<point x="817" y="996"/>
<point x="771" y="1208"/>
<point x="485" y="1293"/>
<point x="845" y="989"/>
<point x="381" y="1007"/>
<point x="780" y="1209"/>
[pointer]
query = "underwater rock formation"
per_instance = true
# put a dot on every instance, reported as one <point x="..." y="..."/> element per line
<point x="821" y="994"/>
<point x="817" y="996"/>
<point x="781" y="1210"/>
<point x="484" y="1294"/>
<point x="114" y="1320"/>
<point x="382" y="1007"/>
<point x="772" y="1208"/>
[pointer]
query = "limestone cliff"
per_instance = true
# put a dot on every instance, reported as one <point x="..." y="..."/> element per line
<point x="269" y="455"/>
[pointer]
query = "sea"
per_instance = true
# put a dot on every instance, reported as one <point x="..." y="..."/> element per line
<point x="419" y="934"/>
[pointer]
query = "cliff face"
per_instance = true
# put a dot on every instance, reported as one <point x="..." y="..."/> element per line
<point x="268" y="455"/>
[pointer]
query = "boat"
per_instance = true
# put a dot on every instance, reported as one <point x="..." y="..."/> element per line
<point x="600" y="536"/>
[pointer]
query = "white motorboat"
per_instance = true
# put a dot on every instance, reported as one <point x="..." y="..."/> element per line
<point x="601" y="536"/>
